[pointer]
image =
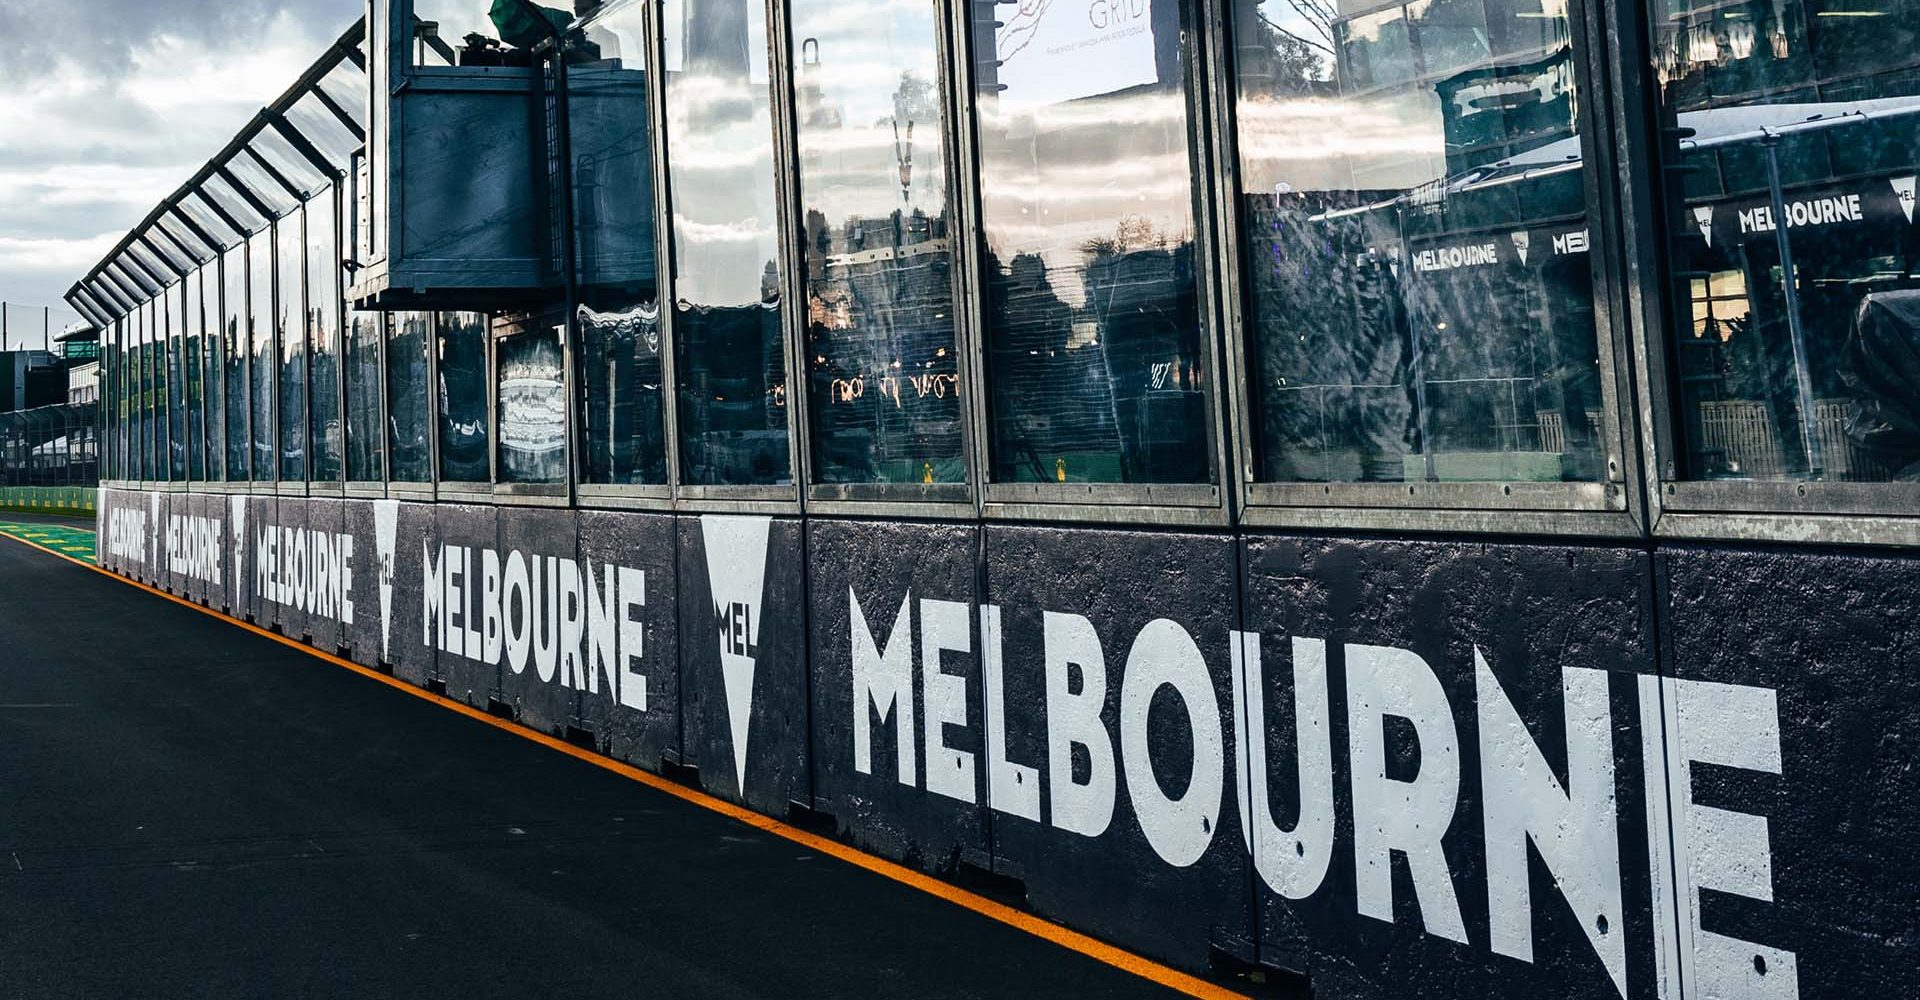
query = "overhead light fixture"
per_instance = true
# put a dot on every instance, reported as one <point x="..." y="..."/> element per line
<point x="1850" y="13"/>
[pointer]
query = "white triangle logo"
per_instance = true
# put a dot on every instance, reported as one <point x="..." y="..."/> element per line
<point x="1703" y="217"/>
<point x="737" y="575"/>
<point x="238" y="518"/>
<point x="386" y="525"/>
<point x="155" y="532"/>
<point x="1521" y="240"/>
<point x="1903" y="193"/>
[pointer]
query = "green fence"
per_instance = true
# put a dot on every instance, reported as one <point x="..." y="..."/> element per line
<point x="74" y="500"/>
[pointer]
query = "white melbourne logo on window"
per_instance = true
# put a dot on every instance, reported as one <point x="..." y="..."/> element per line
<point x="1521" y="240"/>
<point x="736" y="575"/>
<point x="1703" y="217"/>
<point x="386" y="523"/>
<point x="1903" y="193"/>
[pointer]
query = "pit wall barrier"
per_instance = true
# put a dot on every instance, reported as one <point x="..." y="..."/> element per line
<point x="73" y="501"/>
<point x="1431" y="768"/>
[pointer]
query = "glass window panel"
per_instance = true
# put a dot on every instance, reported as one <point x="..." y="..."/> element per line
<point x="450" y="21"/>
<point x="173" y="309"/>
<point x="261" y="184"/>
<point x="290" y="315"/>
<point x="1419" y="293"/>
<point x="235" y="337"/>
<point x="212" y="387"/>
<point x="366" y="439"/>
<point x="192" y="390"/>
<point x="463" y="397"/>
<point x="274" y="148"/>
<point x="323" y="331"/>
<point x="193" y="245"/>
<point x="324" y="129"/>
<point x="623" y="417"/>
<point x="1792" y="129"/>
<point x="196" y="208"/>
<point x="532" y="404"/>
<point x="134" y="286"/>
<point x="153" y="274"/>
<point x="730" y="363"/>
<point x="408" y="424"/>
<point x="151" y="447"/>
<point x="1096" y="361"/>
<point x="263" y="358"/>
<point x="176" y="257"/>
<point x="348" y="88"/>
<point x="881" y="361"/>
<point x="223" y="193"/>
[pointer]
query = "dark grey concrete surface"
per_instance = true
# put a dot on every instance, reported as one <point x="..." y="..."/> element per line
<point x="187" y="809"/>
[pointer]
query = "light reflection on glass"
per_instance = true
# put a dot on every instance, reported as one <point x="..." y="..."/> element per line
<point x="532" y="407"/>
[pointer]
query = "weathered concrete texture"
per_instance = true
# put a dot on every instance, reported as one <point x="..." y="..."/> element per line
<point x="327" y="518"/>
<point x="743" y="680"/>
<point x="239" y="583"/>
<point x="189" y="508"/>
<point x="1110" y="878"/>
<point x="634" y="714"/>
<point x="540" y="692"/>
<point x="462" y="531"/>
<point x="1527" y="612"/>
<point x="409" y="647"/>
<point x="262" y="513"/>
<point x="1831" y="642"/>
<point x="154" y="571"/>
<point x="363" y="635"/>
<point x="213" y="507"/>
<point x="909" y="799"/>
<point x="289" y="614"/>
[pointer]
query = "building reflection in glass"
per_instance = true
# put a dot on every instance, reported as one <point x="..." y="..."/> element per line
<point x="1419" y="287"/>
<point x="729" y="361"/>
<point x="1792" y="129"/>
<point x="880" y="355"/>
<point x="1094" y="344"/>
<point x="532" y="404"/>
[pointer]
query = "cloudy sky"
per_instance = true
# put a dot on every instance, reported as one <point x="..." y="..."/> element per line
<point x="106" y="106"/>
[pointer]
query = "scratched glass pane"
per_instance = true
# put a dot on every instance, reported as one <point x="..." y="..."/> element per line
<point x="1419" y="291"/>
<point x="463" y="398"/>
<point x="881" y="363"/>
<point x="623" y="412"/>
<point x="366" y="439"/>
<point x="265" y="361"/>
<point x="730" y="360"/>
<point x="409" y="449"/>
<point x="1096" y="360"/>
<point x="323" y="330"/>
<point x="1793" y="133"/>
<point x="532" y="404"/>
<point x="290" y="303"/>
<point x="234" y="339"/>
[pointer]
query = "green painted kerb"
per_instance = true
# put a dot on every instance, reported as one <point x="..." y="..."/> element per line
<point x="76" y="543"/>
<point x="74" y="500"/>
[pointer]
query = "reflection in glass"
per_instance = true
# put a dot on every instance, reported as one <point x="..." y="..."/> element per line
<point x="193" y="396"/>
<point x="290" y="319"/>
<point x="444" y="27"/>
<point x="366" y="439"/>
<point x="1095" y="359"/>
<point x="1791" y="132"/>
<point x="323" y="329"/>
<point x="881" y="363"/>
<point x="729" y="363"/>
<point x="212" y="361"/>
<point x="1419" y="291"/>
<point x="234" y="337"/>
<point x="623" y="412"/>
<point x="532" y="405"/>
<point x="410" y="455"/>
<point x="175" y="301"/>
<point x="463" y="397"/>
<point x="265" y="362"/>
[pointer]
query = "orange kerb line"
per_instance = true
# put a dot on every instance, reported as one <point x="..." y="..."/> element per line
<point x="1072" y="940"/>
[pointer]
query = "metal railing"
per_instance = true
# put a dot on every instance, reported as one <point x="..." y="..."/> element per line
<point x="50" y="446"/>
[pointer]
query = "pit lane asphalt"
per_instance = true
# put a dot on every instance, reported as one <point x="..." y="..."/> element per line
<point x="191" y="810"/>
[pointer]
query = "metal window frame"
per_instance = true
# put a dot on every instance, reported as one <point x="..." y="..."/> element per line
<point x="658" y="497"/>
<point x="1608" y="507"/>
<point x="907" y="500"/>
<point x="1828" y="513"/>
<point x="1163" y="504"/>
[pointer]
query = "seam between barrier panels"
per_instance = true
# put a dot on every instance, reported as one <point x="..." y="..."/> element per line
<point x="1020" y="920"/>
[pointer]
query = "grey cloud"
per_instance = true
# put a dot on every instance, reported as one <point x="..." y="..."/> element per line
<point x="100" y="37"/>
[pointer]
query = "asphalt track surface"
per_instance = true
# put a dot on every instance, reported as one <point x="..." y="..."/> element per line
<point x="191" y="810"/>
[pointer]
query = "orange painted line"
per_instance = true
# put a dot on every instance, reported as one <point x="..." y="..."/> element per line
<point x="1039" y="927"/>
